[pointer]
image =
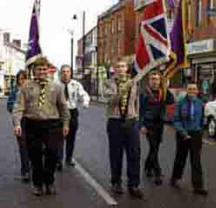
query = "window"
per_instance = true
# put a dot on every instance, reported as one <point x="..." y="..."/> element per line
<point x="105" y="29"/>
<point x="212" y="4"/>
<point x="6" y="37"/>
<point x="105" y="57"/>
<point x="210" y="10"/>
<point x="113" y="49"/>
<point x="199" y="13"/>
<point x="119" y="23"/>
<point x="112" y="26"/>
<point x="101" y="31"/>
<point x="118" y="47"/>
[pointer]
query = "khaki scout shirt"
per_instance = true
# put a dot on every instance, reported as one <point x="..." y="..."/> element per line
<point x="113" y="97"/>
<point x="55" y="106"/>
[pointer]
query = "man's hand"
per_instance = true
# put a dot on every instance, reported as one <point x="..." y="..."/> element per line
<point x="65" y="131"/>
<point x="187" y="137"/>
<point x="17" y="131"/>
<point x="143" y="130"/>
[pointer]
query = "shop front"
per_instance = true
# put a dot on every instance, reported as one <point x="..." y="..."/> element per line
<point x="202" y="56"/>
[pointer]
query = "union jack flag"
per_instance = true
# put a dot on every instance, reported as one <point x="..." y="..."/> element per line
<point x="153" y="46"/>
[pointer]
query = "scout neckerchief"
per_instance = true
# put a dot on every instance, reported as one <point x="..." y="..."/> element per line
<point x="124" y="92"/>
<point x="159" y="97"/>
<point x="42" y="95"/>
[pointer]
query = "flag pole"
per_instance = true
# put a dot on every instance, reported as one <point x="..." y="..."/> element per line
<point x="38" y="5"/>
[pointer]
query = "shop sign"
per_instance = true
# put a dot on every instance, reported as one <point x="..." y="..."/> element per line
<point x="202" y="46"/>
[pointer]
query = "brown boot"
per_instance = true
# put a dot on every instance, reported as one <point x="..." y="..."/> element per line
<point x="117" y="189"/>
<point x="201" y="191"/>
<point x="135" y="192"/>
<point x="158" y="181"/>
<point x="50" y="189"/>
<point x="175" y="183"/>
<point x="37" y="191"/>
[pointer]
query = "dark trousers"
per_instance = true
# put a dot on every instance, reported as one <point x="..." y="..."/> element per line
<point x="24" y="158"/>
<point x="23" y="152"/>
<point x="154" y="138"/>
<point x="43" y="139"/>
<point x="124" y="135"/>
<point x="70" y="139"/>
<point x="194" y="146"/>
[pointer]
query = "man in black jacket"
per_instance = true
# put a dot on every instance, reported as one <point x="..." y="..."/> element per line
<point x="152" y="110"/>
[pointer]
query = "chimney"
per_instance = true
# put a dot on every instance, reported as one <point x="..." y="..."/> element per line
<point x="17" y="43"/>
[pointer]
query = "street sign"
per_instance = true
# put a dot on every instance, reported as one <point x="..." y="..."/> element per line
<point x="202" y="46"/>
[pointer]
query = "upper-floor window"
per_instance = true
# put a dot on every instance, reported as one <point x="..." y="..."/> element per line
<point x="105" y="29"/>
<point x="210" y="8"/>
<point x="6" y="37"/>
<point x="212" y="4"/>
<point x="119" y="23"/>
<point x="101" y="31"/>
<point x="112" y="26"/>
<point x="199" y="13"/>
<point x="118" y="46"/>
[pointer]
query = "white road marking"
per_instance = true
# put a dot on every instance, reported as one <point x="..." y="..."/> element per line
<point x="98" y="188"/>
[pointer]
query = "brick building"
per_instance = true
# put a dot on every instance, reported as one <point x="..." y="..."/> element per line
<point x="116" y="32"/>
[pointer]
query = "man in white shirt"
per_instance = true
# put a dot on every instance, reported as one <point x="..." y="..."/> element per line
<point x="74" y="92"/>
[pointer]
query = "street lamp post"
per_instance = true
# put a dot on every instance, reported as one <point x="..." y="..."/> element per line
<point x="72" y="47"/>
<point x="83" y="43"/>
<point x="71" y="33"/>
<point x="72" y="57"/>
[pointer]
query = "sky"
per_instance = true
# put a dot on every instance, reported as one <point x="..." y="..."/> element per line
<point x="55" y="21"/>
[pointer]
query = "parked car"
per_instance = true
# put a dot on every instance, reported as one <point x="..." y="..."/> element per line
<point x="210" y="118"/>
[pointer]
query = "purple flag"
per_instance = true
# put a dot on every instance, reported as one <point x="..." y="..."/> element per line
<point x="177" y="55"/>
<point x="34" y="49"/>
<point x="171" y="4"/>
<point x="177" y="36"/>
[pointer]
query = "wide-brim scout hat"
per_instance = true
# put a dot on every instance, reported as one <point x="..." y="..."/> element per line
<point x="42" y="61"/>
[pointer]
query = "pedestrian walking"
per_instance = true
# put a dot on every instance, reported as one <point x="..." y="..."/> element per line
<point x="123" y="129"/>
<point x="188" y="122"/>
<point x="21" y="82"/>
<point x="74" y="92"/>
<point x="42" y="103"/>
<point x="153" y="101"/>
